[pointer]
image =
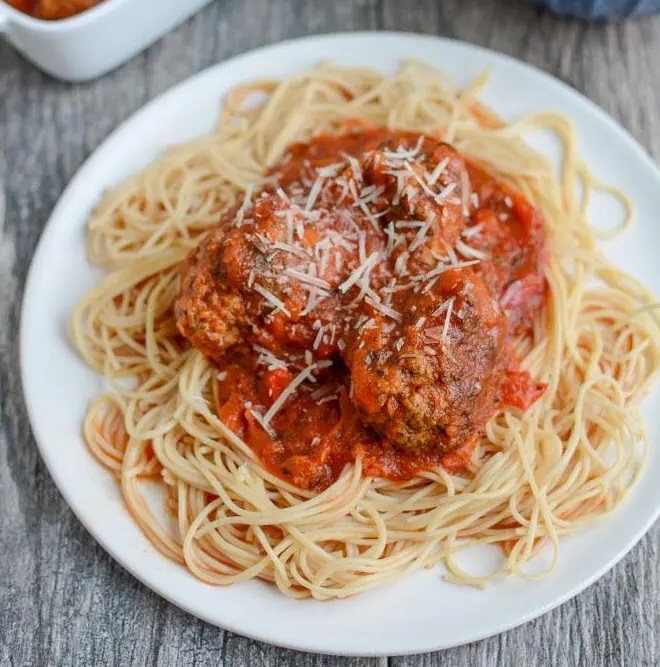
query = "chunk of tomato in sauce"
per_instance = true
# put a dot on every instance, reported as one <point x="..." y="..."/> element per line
<point x="272" y="384"/>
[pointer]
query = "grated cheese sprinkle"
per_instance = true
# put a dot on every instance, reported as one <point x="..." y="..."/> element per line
<point x="445" y="328"/>
<point x="306" y="278"/>
<point x="432" y="178"/>
<point x="368" y="264"/>
<point x="314" y="193"/>
<point x="272" y="299"/>
<point x="386" y="310"/>
<point x="468" y="251"/>
<point x="289" y="390"/>
<point x="263" y="423"/>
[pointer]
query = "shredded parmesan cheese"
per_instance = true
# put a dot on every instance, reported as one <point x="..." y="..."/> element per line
<point x="471" y="232"/>
<point x="319" y="338"/>
<point x="306" y="278"/>
<point x="288" y="391"/>
<point x="368" y="264"/>
<point x="445" y="328"/>
<point x="272" y="299"/>
<point x="263" y="423"/>
<point x="438" y="171"/>
<point x="469" y="251"/>
<point x="314" y="193"/>
<point x="386" y="310"/>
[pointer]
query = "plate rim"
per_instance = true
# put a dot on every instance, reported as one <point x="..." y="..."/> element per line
<point x="49" y="230"/>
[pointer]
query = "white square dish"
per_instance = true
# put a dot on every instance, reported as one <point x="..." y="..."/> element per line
<point x="92" y="43"/>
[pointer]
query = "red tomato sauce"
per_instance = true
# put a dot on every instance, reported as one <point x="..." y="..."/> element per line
<point x="313" y="439"/>
<point x="52" y="10"/>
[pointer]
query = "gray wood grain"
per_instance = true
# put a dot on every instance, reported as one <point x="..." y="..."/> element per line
<point x="63" y="601"/>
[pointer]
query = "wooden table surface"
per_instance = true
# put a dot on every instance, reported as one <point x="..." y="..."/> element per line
<point x="63" y="600"/>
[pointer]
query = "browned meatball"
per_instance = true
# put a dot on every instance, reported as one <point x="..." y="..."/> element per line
<point x="427" y="199"/>
<point x="419" y="380"/>
<point x="273" y="280"/>
<point x="433" y="379"/>
<point x="209" y="312"/>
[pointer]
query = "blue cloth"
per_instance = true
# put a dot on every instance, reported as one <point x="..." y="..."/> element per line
<point x="601" y="9"/>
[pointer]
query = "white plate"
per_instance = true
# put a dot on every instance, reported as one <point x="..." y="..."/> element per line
<point x="420" y="613"/>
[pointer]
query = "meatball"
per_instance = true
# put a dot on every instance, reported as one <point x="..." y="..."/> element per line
<point x="210" y="312"/>
<point x="433" y="379"/>
<point x="427" y="198"/>
<point x="272" y="279"/>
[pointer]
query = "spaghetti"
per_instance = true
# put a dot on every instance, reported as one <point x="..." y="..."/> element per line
<point x="566" y="461"/>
